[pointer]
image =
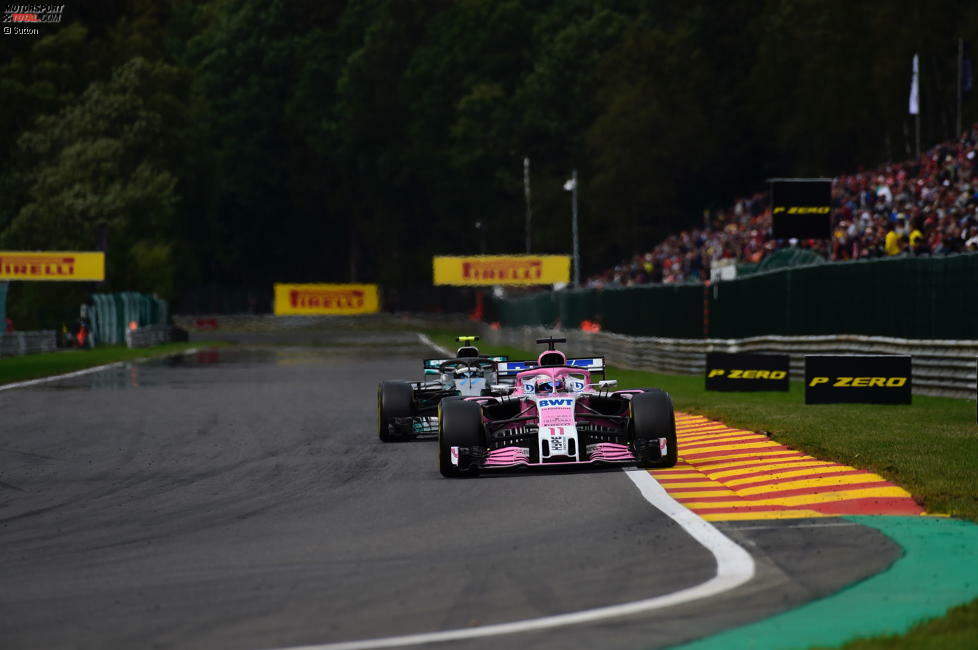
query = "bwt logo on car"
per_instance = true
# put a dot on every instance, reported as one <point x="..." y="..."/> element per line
<point x="38" y="266"/>
<point x="546" y="403"/>
<point x="492" y="270"/>
<point x="337" y="299"/>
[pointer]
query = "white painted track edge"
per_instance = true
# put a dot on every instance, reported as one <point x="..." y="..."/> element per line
<point x="79" y="373"/>
<point x="431" y="344"/>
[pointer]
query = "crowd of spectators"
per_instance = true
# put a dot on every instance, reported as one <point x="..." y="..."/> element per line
<point x="923" y="206"/>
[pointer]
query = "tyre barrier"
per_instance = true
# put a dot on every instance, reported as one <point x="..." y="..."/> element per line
<point x="944" y="368"/>
<point x="150" y="335"/>
<point x="16" y="344"/>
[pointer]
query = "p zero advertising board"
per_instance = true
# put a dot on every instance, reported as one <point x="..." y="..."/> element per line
<point x="746" y="372"/>
<point x="801" y="207"/>
<point x="315" y="299"/>
<point x="487" y="270"/>
<point x="52" y="266"/>
<point x="869" y="379"/>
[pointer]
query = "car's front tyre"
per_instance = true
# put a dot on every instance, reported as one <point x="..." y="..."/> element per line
<point x="394" y="399"/>
<point x="653" y="418"/>
<point x="459" y="427"/>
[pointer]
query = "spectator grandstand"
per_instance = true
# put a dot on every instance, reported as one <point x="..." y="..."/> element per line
<point x="923" y="206"/>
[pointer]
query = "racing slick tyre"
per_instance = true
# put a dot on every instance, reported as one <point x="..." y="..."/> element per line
<point x="393" y="401"/>
<point x="652" y="418"/>
<point x="459" y="425"/>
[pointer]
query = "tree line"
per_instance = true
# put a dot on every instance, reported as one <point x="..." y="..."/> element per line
<point x="243" y="142"/>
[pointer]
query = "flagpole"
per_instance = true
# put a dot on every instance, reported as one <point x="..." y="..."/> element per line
<point x="526" y="192"/>
<point x="915" y="101"/>
<point x="917" y="129"/>
<point x="577" y="255"/>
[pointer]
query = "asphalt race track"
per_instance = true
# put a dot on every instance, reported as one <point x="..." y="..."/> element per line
<point x="240" y="498"/>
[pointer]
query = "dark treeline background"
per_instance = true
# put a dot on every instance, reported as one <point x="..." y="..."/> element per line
<point x="240" y="143"/>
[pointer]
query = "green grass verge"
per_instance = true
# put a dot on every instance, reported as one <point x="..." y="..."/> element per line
<point x="957" y="630"/>
<point x="929" y="448"/>
<point x="33" y="366"/>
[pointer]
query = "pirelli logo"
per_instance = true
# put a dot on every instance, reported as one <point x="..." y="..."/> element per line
<point x="860" y="382"/>
<point x="734" y="373"/>
<point x="801" y="209"/>
<point x="52" y="266"/>
<point x="312" y="299"/>
<point x="488" y="270"/>
<point x="866" y="379"/>
<point x="502" y="272"/>
<point x="737" y="371"/>
<point x="22" y="266"/>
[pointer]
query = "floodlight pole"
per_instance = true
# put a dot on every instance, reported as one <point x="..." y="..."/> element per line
<point x="577" y="254"/>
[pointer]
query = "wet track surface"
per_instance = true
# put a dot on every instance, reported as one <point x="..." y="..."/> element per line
<point x="240" y="498"/>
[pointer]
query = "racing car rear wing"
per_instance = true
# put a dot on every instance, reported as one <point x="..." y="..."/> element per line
<point x="435" y="364"/>
<point x="510" y="368"/>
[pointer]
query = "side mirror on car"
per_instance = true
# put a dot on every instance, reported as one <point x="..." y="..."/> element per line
<point x="503" y="389"/>
<point x="430" y="371"/>
<point x="605" y="384"/>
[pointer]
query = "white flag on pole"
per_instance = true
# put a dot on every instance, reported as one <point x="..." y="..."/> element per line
<point x="569" y="185"/>
<point x="915" y="89"/>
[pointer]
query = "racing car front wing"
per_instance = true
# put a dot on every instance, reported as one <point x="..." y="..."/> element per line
<point x="415" y="425"/>
<point x="602" y="452"/>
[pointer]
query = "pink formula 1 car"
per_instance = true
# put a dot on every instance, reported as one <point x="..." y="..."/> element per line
<point x="554" y="415"/>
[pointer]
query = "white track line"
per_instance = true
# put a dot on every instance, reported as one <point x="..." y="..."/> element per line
<point x="426" y="341"/>
<point x="735" y="566"/>
<point x="79" y="373"/>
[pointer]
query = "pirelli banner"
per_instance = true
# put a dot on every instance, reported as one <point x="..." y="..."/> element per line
<point x="801" y="207"/>
<point x="318" y="299"/>
<point x="501" y="269"/>
<point x="52" y="266"/>
<point x="869" y="379"/>
<point x="734" y="372"/>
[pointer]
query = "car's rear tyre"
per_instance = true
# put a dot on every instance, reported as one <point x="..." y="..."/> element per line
<point x="394" y="400"/>
<point x="459" y="425"/>
<point x="652" y="418"/>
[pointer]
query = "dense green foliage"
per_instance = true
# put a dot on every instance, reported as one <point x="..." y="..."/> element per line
<point x="243" y="142"/>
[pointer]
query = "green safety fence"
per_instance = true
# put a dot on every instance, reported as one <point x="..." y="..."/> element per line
<point x="915" y="298"/>
<point x="920" y="297"/>
<point x="3" y="305"/>
<point x="113" y="312"/>
<point x="655" y="310"/>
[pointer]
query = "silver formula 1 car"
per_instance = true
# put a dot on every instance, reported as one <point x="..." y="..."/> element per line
<point x="406" y="409"/>
<point x="555" y="414"/>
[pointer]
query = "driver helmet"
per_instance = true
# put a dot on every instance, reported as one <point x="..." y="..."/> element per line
<point x="547" y="385"/>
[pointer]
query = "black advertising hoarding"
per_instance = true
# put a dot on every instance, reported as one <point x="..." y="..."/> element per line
<point x="801" y="207"/>
<point x="869" y="379"/>
<point x="746" y="372"/>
